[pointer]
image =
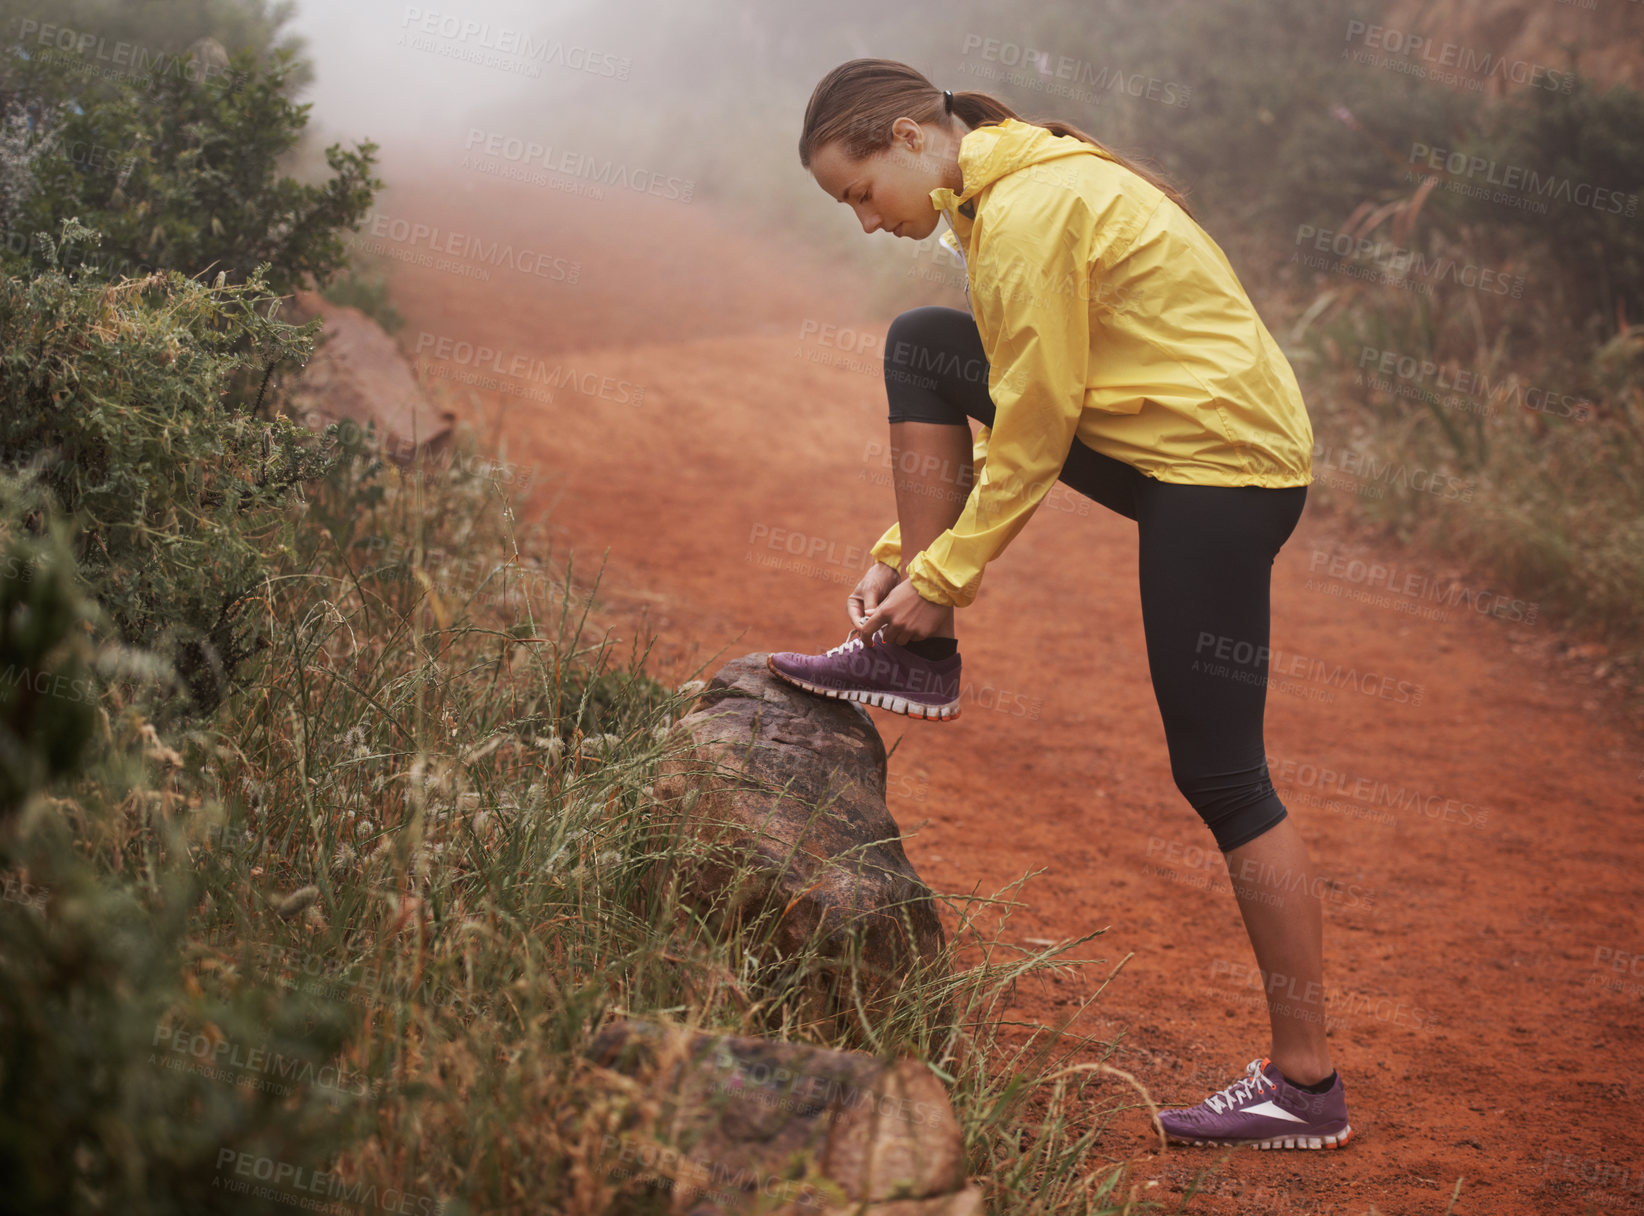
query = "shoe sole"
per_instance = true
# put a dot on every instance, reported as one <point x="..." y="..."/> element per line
<point x="880" y="700"/>
<point x="1327" y="1142"/>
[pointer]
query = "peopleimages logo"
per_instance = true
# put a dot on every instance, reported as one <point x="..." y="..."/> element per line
<point x="526" y="154"/>
<point x="1222" y="655"/>
<point x="481" y="36"/>
<point x="1304" y="997"/>
<point x="811" y="548"/>
<point x="1373" y="792"/>
<point x="300" y="1186"/>
<point x="1446" y="61"/>
<point x="228" y="1061"/>
<point x="1504" y="390"/>
<point x="527" y="369"/>
<point x="1472" y="174"/>
<point x="501" y="254"/>
<point x="132" y="58"/>
<point x="1332" y="458"/>
<point x="1398" y="262"/>
<point x="1397" y="581"/>
<point x="1061" y="75"/>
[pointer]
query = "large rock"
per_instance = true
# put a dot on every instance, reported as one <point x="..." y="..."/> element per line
<point x="790" y="787"/>
<point x="739" y="1118"/>
<point x="357" y="374"/>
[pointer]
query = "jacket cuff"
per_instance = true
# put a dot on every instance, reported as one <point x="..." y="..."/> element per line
<point x="888" y="549"/>
<point x="929" y="582"/>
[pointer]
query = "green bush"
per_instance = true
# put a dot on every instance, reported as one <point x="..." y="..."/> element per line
<point x="47" y="692"/>
<point x="182" y="175"/>
<point x="158" y="34"/>
<point x="1283" y="128"/>
<point x="115" y="1095"/>
<point x="1577" y="160"/>
<point x="116" y="398"/>
<point x="124" y="1087"/>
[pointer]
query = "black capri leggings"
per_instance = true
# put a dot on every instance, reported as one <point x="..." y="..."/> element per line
<point x="1206" y="554"/>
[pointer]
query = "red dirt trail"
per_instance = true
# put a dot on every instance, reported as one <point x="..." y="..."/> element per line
<point x="1484" y="945"/>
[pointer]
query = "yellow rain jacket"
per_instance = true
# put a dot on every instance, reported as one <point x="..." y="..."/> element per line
<point x="1107" y="314"/>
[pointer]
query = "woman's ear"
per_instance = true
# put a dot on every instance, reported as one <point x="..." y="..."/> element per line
<point x="906" y="131"/>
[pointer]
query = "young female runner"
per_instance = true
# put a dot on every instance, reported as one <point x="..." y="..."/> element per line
<point x="1109" y="345"/>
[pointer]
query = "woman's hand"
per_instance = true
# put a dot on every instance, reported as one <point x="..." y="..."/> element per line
<point x="906" y="616"/>
<point x="876" y="584"/>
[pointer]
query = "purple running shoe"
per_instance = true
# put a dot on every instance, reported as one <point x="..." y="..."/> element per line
<point x="876" y="673"/>
<point x="1263" y="1110"/>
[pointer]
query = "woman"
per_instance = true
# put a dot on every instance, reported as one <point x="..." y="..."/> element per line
<point x="1111" y="346"/>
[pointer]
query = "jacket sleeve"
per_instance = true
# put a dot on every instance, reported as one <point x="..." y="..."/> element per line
<point x="888" y="548"/>
<point x="1031" y="301"/>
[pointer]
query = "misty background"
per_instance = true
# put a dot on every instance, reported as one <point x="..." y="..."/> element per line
<point x="1252" y="108"/>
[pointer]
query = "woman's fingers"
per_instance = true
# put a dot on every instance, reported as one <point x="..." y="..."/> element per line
<point x="861" y="605"/>
<point x="905" y="616"/>
<point x="875" y="592"/>
<point x="880" y="615"/>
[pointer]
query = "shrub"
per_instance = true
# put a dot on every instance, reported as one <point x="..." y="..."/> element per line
<point x="159" y="35"/>
<point x="124" y="1087"/>
<point x="116" y="397"/>
<point x="183" y="176"/>
<point x="115" y="1094"/>
<point x="1576" y="164"/>
<point x="47" y="692"/>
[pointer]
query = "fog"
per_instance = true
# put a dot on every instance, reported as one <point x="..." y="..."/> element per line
<point x="372" y="81"/>
<point x="694" y="90"/>
<point x="708" y="97"/>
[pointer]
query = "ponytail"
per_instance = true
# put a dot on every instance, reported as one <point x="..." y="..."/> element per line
<point x="857" y="102"/>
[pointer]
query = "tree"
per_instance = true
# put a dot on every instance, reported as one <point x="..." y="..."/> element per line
<point x="179" y="175"/>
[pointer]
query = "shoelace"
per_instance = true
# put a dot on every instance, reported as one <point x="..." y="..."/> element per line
<point x="853" y="644"/>
<point x="1247" y="1086"/>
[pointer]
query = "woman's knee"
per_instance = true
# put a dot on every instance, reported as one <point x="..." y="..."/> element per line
<point x="1236" y="806"/>
<point x="935" y="367"/>
<point x="928" y="327"/>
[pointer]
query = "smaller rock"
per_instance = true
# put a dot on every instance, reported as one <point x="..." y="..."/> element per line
<point x="828" y="1131"/>
<point x="358" y="375"/>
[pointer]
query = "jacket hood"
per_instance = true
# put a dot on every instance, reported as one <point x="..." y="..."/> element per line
<point x="988" y="153"/>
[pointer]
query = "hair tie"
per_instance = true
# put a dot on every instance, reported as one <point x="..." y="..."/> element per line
<point x="947" y="94"/>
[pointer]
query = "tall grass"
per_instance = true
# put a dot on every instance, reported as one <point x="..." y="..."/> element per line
<point x="419" y="860"/>
<point x="1481" y="421"/>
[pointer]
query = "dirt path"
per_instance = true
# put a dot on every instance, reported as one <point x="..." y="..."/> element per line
<point x="1482" y="835"/>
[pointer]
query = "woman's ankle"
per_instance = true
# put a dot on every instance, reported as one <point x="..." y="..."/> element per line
<point x="934" y="648"/>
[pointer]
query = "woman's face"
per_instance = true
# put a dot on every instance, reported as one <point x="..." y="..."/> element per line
<point x="890" y="190"/>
